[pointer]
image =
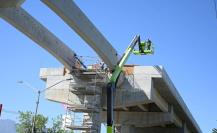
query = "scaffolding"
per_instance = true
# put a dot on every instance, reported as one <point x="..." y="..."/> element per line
<point x="85" y="117"/>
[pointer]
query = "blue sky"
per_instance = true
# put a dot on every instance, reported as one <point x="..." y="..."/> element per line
<point x="184" y="33"/>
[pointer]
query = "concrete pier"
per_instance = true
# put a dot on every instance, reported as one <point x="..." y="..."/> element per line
<point x="146" y="100"/>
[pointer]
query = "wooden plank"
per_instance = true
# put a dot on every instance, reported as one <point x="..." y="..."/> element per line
<point x="128" y="69"/>
<point x="25" y="23"/>
<point x="78" y="21"/>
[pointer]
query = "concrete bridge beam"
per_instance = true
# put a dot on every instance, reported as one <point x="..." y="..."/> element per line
<point x="28" y="25"/>
<point x="79" y="22"/>
<point x="10" y="3"/>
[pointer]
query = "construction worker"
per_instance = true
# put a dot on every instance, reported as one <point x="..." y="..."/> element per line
<point x="144" y="48"/>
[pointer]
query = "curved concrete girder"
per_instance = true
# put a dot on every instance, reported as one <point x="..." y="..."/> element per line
<point x="78" y="21"/>
<point x="25" y="23"/>
<point x="10" y="3"/>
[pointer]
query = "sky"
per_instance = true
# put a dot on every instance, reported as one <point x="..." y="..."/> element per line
<point x="184" y="33"/>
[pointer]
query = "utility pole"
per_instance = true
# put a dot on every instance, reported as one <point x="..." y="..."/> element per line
<point x="38" y="99"/>
<point x="36" y="111"/>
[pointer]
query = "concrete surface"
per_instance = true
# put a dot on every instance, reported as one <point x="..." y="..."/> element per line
<point x="127" y="129"/>
<point x="10" y="3"/>
<point x="144" y="103"/>
<point x="78" y="21"/>
<point x="25" y="23"/>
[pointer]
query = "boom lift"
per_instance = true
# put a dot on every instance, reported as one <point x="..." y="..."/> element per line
<point x="144" y="48"/>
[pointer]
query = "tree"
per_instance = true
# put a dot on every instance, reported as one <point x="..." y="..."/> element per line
<point x="40" y="123"/>
<point x="25" y="122"/>
<point x="57" y="126"/>
<point x="25" y="125"/>
<point x="214" y="130"/>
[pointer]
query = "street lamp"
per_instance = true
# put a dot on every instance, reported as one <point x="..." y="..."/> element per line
<point x="38" y="97"/>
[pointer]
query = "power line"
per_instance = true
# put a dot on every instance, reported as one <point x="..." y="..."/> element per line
<point x="10" y="112"/>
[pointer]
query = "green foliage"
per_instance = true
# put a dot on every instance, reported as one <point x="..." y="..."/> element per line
<point x="57" y="125"/>
<point x="40" y="123"/>
<point x="25" y="124"/>
<point x="214" y="130"/>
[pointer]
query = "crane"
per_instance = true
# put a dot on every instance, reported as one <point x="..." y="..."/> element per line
<point x="144" y="48"/>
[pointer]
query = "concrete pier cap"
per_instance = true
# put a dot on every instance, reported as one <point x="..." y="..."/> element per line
<point x="11" y="3"/>
<point x="147" y="90"/>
